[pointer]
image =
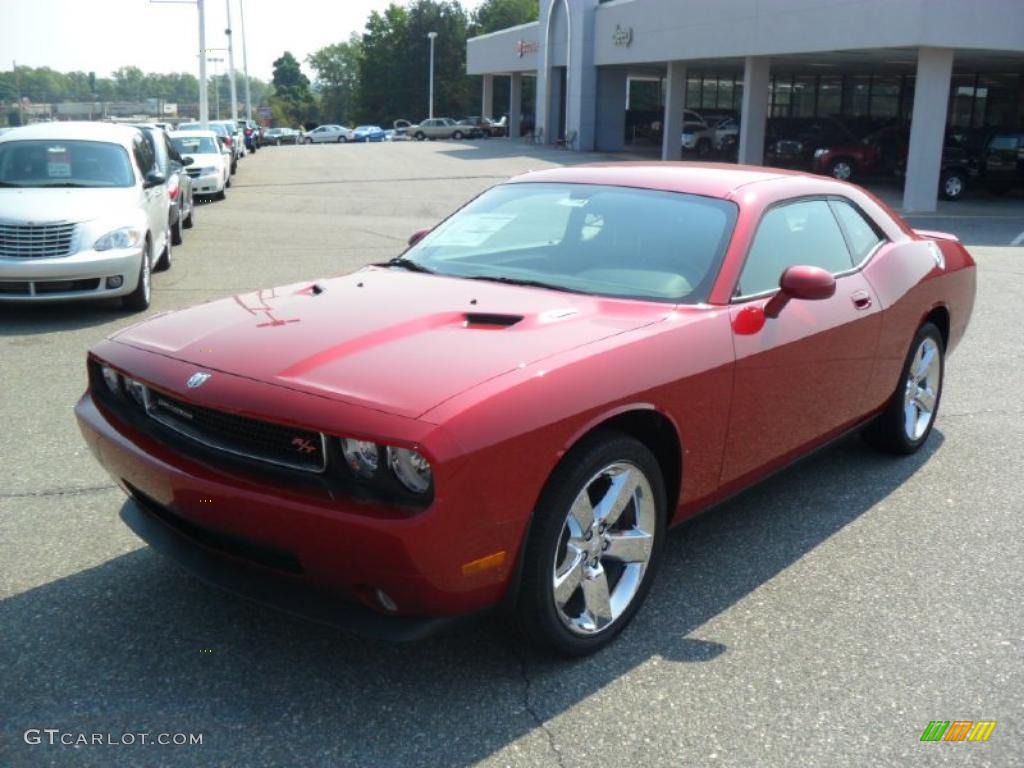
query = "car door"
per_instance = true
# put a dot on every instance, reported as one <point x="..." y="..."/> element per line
<point x="155" y="199"/>
<point x="803" y="374"/>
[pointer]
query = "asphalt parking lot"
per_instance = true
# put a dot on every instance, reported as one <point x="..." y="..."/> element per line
<point x="821" y="620"/>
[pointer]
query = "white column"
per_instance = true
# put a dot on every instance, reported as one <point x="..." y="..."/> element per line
<point x="927" y="128"/>
<point x="611" y="109"/>
<point x="581" y="100"/>
<point x="487" y="110"/>
<point x="675" y="102"/>
<point x="756" y="79"/>
<point x="515" y="105"/>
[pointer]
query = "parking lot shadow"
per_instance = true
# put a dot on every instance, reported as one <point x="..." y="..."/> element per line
<point x="32" y="319"/>
<point x="135" y="645"/>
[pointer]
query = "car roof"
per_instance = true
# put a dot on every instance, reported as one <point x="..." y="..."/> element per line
<point x="709" y="179"/>
<point x="83" y="131"/>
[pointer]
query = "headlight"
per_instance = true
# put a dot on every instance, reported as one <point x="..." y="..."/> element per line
<point x="125" y="237"/>
<point x="411" y="469"/>
<point x="820" y="152"/>
<point x="111" y="379"/>
<point x="137" y="391"/>
<point x="362" y="457"/>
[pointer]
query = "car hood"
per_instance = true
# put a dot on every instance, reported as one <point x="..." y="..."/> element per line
<point x="205" y="159"/>
<point x="37" y="204"/>
<point x="392" y="340"/>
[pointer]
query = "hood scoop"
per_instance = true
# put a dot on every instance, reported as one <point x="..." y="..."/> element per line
<point x="489" y="320"/>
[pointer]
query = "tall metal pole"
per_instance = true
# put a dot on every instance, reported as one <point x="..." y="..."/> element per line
<point x="231" y="68"/>
<point x="245" y="62"/>
<point x="204" y="105"/>
<point x="432" y="36"/>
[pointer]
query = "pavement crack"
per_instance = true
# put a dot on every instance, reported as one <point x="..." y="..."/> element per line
<point x="528" y="705"/>
<point x="58" y="492"/>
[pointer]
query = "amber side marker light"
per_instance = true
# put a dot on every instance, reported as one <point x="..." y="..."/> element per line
<point x="483" y="564"/>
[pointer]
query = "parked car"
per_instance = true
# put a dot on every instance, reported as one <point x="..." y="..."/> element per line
<point x="698" y="138"/>
<point x="237" y="135"/>
<point x="1003" y="164"/>
<point x="83" y="214"/>
<point x="441" y="128"/>
<point x="529" y="449"/>
<point x="401" y="128"/>
<point x="223" y="129"/>
<point x="791" y="142"/>
<point x="878" y="152"/>
<point x="484" y="127"/>
<point x="726" y="132"/>
<point x="328" y="134"/>
<point x="279" y="136"/>
<point x="368" y="133"/>
<point x="253" y="134"/>
<point x="955" y="172"/>
<point x="172" y="167"/>
<point x="210" y="169"/>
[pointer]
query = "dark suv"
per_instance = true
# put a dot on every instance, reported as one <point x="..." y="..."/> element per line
<point x="1003" y="164"/>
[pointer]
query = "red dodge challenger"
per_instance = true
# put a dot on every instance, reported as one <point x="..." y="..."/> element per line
<point x="512" y="412"/>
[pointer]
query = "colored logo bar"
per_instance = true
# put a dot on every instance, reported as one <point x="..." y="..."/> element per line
<point x="958" y="730"/>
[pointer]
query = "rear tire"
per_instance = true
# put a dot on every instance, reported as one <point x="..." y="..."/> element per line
<point x="904" y="425"/>
<point x="177" y="236"/>
<point x="190" y="220"/>
<point x="583" y="579"/>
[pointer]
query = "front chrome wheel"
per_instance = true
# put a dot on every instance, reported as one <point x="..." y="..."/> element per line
<point x="921" y="390"/>
<point x="604" y="549"/>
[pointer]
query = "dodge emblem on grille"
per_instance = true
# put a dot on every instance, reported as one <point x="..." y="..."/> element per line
<point x="197" y="379"/>
<point x="302" y="445"/>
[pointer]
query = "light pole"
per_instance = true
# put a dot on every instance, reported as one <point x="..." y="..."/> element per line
<point x="216" y="84"/>
<point x="231" y="69"/>
<point x="204" y="107"/>
<point x="245" y="63"/>
<point x="432" y="36"/>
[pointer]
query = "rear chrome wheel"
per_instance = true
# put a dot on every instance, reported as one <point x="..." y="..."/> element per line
<point x="593" y="545"/>
<point x="906" y="422"/>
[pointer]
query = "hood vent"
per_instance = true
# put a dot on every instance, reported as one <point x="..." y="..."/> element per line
<point x="490" y="320"/>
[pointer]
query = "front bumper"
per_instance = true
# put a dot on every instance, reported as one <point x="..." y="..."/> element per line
<point x="81" y="275"/>
<point x="330" y="544"/>
<point x="208" y="184"/>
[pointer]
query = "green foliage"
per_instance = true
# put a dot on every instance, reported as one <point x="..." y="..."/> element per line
<point x="337" y="79"/>
<point x="492" y="15"/>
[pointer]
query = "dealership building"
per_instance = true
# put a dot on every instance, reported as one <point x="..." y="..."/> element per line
<point x="934" y="63"/>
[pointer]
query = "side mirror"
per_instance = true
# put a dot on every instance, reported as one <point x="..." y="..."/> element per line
<point x="187" y="160"/>
<point x="808" y="283"/>
<point x="418" y="235"/>
<point x="153" y="179"/>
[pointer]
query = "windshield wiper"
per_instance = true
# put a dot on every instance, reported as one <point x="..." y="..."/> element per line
<point x="10" y="184"/>
<point x="66" y="184"/>
<point x="408" y="264"/>
<point x="520" y="281"/>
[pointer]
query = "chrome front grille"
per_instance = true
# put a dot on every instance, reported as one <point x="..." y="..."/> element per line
<point x="36" y="241"/>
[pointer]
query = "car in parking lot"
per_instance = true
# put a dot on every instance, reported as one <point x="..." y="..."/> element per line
<point x="83" y="214"/>
<point x="698" y="137"/>
<point x="226" y="135"/>
<point x="367" y="133"/>
<point x="279" y="136"/>
<point x="441" y="128"/>
<point x="1003" y="165"/>
<point x="210" y="169"/>
<point x="791" y="142"/>
<point x="485" y="127"/>
<point x="253" y="134"/>
<point x="172" y="167"/>
<point x="502" y="415"/>
<point x="331" y="133"/>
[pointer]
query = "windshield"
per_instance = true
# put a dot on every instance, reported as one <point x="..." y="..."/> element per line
<point x="194" y="145"/>
<point x="611" y="241"/>
<point x="59" y="163"/>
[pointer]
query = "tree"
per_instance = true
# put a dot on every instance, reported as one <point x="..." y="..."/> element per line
<point x="493" y="15"/>
<point x="292" y="101"/>
<point x="337" y="78"/>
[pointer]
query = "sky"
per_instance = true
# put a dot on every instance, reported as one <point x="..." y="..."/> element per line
<point x="102" y="35"/>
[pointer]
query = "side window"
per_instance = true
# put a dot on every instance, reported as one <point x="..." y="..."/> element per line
<point x="804" y="233"/>
<point x="862" y="235"/>
<point x="143" y="155"/>
<point x="171" y="151"/>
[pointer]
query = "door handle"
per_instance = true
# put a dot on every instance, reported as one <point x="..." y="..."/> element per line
<point x="861" y="299"/>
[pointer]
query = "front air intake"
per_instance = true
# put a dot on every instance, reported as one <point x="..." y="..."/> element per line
<point x="490" y="320"/>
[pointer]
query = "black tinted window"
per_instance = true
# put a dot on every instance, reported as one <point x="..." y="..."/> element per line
<point x="804" y="233"/>
<point x="861" y="234"/>
<point x="143" y="154"/>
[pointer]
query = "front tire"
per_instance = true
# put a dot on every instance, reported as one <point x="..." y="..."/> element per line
<point x="457" y="135"/>
<point x="420" y="136"/>
<point x="594" y="545"/>
<point x="138" y="300"/>
<point x="177" y="235"/>
<point x="190" y="219"/>
<point x="953" y="185"/>
<point x="841" y="169"/>
<point x="904" y="426"/>
<point x="307" y="141"/>
<point x="703" y="148"/>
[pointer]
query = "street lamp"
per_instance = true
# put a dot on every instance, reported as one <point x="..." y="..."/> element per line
<point x="216" y="80"/>
<point x="432" y="36"/>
